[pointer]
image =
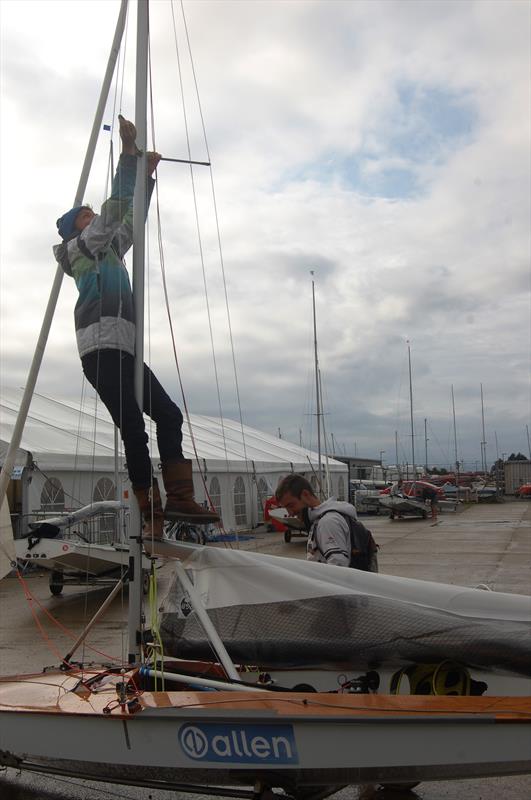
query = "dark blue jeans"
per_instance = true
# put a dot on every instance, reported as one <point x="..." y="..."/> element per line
<point x="112" y="374"/>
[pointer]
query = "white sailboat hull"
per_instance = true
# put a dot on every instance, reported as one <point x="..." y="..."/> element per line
<point x="404" y="505"/>
<point x="71" y="556"/>
<point x="288" y="740"/>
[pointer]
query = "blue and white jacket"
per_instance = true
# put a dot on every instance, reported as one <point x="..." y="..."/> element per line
<point x="104" y="312"/>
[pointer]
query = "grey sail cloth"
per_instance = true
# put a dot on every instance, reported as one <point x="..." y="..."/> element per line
<point x="341" y="617"/>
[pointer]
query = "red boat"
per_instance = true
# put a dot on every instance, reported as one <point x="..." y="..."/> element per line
<point x="415" y="489"/>
<point x="272" y="523"/>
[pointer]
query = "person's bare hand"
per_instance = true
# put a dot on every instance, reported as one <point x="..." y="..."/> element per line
<point x="152" y="161"/>
<point x="127" y="135"/>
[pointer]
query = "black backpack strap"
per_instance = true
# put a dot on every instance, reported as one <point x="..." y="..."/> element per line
<point x="313" y="526"/>
<point x="360" y="551"/>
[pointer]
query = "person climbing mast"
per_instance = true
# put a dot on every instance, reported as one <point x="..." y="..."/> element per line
<point x="92" y="251"/>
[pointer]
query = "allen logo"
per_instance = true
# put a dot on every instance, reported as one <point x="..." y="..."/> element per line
<point x="247" y="744"/>
<point x="193" y="741"/>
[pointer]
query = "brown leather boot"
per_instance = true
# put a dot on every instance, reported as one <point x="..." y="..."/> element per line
<point x="150" y="505"/>
<point x="180" y="503"/>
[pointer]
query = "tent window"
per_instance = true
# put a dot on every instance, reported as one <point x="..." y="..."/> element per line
<point x="263" y="494"/>
<point x="52" y="495"/>
<point x="341" y="488"/>
<point x="240" y="509"/>
<point x="105" y="490"/>
<point x="313" y="483"/>
<point x="215" y="494"/>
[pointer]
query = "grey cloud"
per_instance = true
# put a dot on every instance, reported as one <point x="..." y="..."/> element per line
<point x="449" y="269"/>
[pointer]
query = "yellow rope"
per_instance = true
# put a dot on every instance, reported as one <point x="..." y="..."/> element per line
<point x="158" y="651"/>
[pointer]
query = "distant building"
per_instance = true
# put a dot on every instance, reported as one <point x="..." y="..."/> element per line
<point x="372" y="469"/>
<point x="515" y="474"/>
<point x="360" y="469"/>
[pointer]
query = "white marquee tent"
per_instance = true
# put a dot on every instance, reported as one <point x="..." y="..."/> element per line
<point x="67" y="459"/>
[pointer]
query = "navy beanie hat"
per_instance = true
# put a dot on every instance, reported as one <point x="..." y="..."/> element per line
<point x="66" y="224"/>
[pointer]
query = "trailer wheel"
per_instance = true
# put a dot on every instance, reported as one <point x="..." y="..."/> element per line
<point x="287" y="536"/>
<point x="56" y="583"/>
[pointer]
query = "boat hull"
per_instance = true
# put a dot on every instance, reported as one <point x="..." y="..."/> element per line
<point x="76" y="557"/>
<point x="404" y="505"/>
<point x="289" y="740"/>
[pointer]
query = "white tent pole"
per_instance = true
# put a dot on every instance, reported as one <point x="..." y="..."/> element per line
<point x="9" y="460"/>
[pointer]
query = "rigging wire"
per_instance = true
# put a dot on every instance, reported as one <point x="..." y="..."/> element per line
<point x="166" y="295"/>
<point x="201" y="255"/>
<point x="445" y="453"/>
<point x="251" y="474"/>
<point x="118" y="92"/>
<point x="307" y="413"/>
<point x="33" y="601"/>
<point x="218" y="236"/>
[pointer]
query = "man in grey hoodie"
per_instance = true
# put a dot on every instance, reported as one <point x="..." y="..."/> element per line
<point x="335" y="534"/>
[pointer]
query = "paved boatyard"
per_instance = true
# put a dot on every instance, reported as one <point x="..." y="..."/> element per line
<point x="486" y="544"/>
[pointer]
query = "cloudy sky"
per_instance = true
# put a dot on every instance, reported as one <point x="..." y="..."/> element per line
<point x="383" y="145"/>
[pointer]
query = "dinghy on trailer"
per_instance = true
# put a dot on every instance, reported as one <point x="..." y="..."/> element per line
<point x="403" y="505"/>
<point x="71" y="560"/>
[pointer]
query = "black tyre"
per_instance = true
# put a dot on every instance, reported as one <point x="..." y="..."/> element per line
<point x="56" y="583"/>
<point x="287" y="536"/>
<point x="194" y="535"/>
<point x="186" y="532"/>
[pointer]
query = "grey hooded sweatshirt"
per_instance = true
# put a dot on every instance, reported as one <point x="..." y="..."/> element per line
<point x="329" y="537"/>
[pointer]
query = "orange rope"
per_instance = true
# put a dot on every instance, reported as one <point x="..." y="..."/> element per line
<point x="31" y="600"/>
